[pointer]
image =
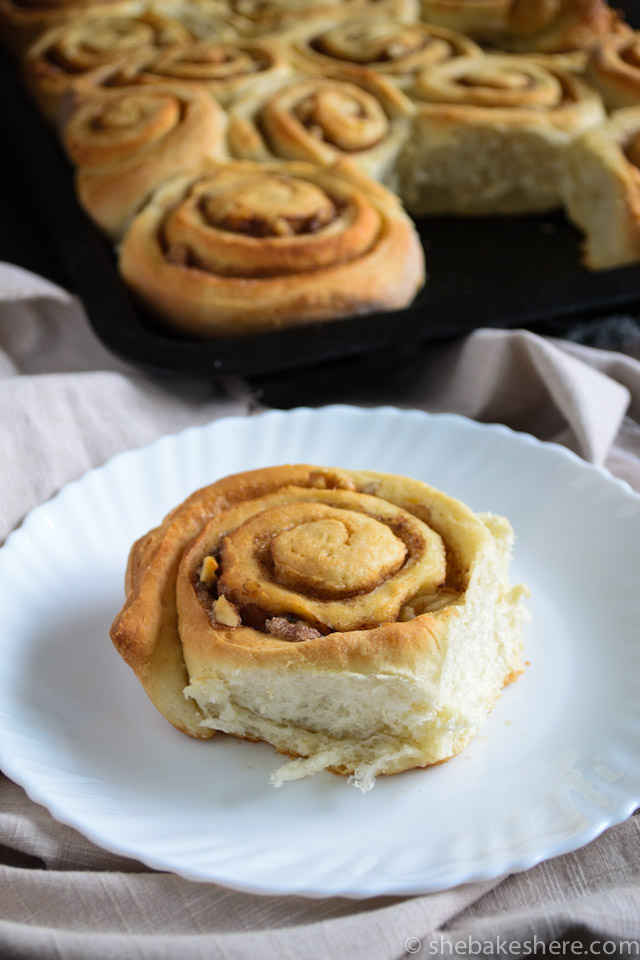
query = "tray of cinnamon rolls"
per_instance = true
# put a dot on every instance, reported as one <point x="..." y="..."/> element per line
<point x="243" y="186"/>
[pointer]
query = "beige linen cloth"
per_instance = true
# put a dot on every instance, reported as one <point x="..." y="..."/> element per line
<point x="67" y="405"/>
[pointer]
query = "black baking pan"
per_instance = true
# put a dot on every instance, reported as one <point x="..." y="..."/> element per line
<point x="496" y="272"/>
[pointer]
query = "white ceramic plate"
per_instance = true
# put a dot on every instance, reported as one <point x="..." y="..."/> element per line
<point x="556" y="764"/>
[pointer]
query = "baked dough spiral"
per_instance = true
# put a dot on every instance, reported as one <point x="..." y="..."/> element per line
<point x="204" y="19"/>
<point x="389" y="47"/>
<point x="225" y="68"/>
<point x="65" y="54"/>
<point x="556" y="26"/>
<point x="483" y="18"/>
<point x="491" y="135"/>
<point x="614" y="70"/>
<point x="526" y="26"/>
<point x="355" y="114"/>
<point x="358" y="620"/>
<point x="259" y="17"/>
<point x="127" y="142"/>
<point x="22" y="20"/>
<point x="242" y="247"/>
<point x="602" y="190"/>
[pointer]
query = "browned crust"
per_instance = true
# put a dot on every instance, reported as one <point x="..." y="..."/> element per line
<point x="112" y="190"/>
<point x="577" y="25"/>
<point x="146" y="633"/>
<point x="617" y="80"/>
<point x="386" y="275"/>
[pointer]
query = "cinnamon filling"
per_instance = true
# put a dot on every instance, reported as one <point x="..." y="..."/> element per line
<point x="631" y="54"/>
<point x="265" y="208"/>
<point x="294" y="631"/>
<point x="378" y="46"/>
<point x="307" y="556"/>
<point x="631" y="149"/>
<point x="208" y="63"/>
<point x="349" y="119"/>
<point x="278" y="227"/>
<point x="98" y="46"/>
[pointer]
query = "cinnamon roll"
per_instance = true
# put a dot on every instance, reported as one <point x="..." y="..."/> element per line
<point x="204" y="19"/>
<point x="259" y="17"/>
<point x="243" y="247"/>
<point x="227" y="69"/>
<point x="396" y="50"/>
<point x="614" y="70"/>
<point x="491" y="135"/>
<point x="125" y="143"/>
<point x="602" y="191"/>
<point x="556" y="26"/>
<point x="62" y="56"/>
<point x="356" y="621"/>
<point x="21" y="21"/>
<point x="480" y="18"/>
<point x="354" y="113"/>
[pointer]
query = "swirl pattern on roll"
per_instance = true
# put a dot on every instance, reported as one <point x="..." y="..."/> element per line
<point x="398" y="50"/>
<point x="498" y="83"/>
<point x="333" y="559"/>
<point x="526" y="26"/>
<point x="21" y="21"/>
<point x="127" y="142"/>
<point x="244" y="246"/>
<point x="354" y="113"/>
<point x="258" y="17"/>
<point x="614" y="70"/>
<point x="318" y="584"/>
<point x="226" y="69"/>
<point x="480" y="18"/>
<point x="491" y="133"/>
<point x="62" y="56"/>
<point x="556" y="26"/>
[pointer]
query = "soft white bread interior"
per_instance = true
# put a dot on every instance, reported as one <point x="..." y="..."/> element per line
<point x="602" y="190"/>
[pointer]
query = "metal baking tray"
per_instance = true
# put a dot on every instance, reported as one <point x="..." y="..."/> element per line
<point x="496" y="272"/>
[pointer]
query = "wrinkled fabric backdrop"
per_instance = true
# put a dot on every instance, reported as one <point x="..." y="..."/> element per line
<point x="66" y="405"/>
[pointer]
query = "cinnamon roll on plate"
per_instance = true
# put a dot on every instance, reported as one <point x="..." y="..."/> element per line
<point x="357" y="621"/>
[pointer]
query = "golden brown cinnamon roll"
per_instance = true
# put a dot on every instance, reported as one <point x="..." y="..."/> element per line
<point x="556" y="26"/>
<point x="355" y="113"/>
<point x="396" y="50"/>
<point x="602" y="192"/>
<point x="526" y="26"/>
<point x="258" y="17"/>
<point x="21" y="21"/>
<point x="244" y="247"/>
<point x="127" y="142"/>
<point x="226" y="69"/>
<point x="62" y="56"/>
<point x="359" y="621"/>
<point x="491" y="134"/>
<point x="480" y="18"/>
<point x="204" y="19"/>
<point x="614" y="70"/>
